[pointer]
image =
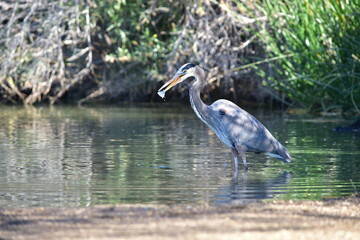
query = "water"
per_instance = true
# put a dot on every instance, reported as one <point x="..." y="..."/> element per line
<point x="70" y="156"/>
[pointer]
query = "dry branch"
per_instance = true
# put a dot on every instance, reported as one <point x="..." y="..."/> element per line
<point x="215" y="36"/>
<point x="34" y="56"/>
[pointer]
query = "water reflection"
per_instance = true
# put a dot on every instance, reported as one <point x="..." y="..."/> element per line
<point x="69" y="156"/>
<point x="242" y="188"/>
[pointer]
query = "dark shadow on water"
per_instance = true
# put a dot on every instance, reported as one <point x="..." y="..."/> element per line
<point x="354" y="127"/>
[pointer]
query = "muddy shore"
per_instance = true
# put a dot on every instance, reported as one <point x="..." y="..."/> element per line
<point x="335" y="219"/>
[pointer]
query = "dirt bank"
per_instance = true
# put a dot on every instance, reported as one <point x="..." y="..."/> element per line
<point x="338" y="219"/>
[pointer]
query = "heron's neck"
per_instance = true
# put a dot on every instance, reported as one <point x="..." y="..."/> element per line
<point x="200" y="108"/>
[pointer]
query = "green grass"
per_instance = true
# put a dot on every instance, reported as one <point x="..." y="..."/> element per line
<point x="319" y="47"/>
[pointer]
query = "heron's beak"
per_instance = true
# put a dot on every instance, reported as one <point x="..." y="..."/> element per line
<point x="172" y="82"/>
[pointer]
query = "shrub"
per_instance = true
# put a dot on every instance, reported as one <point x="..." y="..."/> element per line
<point x="316" y="45"/>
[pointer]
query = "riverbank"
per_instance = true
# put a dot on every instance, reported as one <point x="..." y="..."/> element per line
<point x="335" y="219"/>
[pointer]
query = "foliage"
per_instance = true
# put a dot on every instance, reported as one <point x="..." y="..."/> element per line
<point x="118" y="49"/>
<point x="317" y="47"/>
<point x="138" y="29"/>
<point x="139" y="34"/>
<point x="48" y="49"/>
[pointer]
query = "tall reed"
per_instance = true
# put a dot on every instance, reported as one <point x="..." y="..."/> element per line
<point x="316" y="45"/>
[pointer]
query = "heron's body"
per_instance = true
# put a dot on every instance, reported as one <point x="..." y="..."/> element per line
<point x="235" y="127"/>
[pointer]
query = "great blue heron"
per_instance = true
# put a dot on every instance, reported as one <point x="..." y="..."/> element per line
<point x="235" y="127"/>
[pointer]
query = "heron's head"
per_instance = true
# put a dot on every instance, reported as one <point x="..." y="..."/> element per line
<point x="187" y="70"/>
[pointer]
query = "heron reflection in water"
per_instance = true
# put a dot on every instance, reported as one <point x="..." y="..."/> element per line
<point x="235" y="127"/>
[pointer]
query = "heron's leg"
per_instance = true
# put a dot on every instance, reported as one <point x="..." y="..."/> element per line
<point x="242" y="151"/>
<point x="235" y="155"/>
<point x="236" y="176"/>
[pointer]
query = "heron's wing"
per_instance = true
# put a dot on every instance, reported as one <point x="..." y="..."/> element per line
<point x="241" y="128"/>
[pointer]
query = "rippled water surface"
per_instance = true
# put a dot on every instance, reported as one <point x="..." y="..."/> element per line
<point x="70" y="156"/>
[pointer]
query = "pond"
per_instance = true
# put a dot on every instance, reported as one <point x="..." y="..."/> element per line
<point x="163" y="154"/>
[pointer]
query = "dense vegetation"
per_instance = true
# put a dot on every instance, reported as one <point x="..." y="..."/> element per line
<point x="320" y="41"/>
<point x="302" y="53"/>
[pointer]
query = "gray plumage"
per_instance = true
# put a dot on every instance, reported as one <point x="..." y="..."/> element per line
<point x="235" y="127"/>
